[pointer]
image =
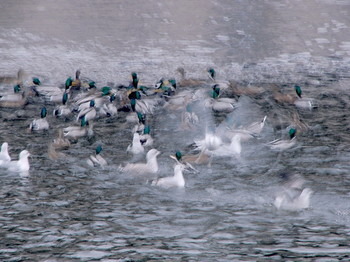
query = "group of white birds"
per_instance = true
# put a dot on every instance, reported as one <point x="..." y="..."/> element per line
<point x="84" y="102"/>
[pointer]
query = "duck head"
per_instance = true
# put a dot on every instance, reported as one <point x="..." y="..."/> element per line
<point x="36" y="81"/>
<point x="298" y="90"/>
<point x="43" y="112"/>
<point x="65" y="98"/>
<point x="292" y="132"/>
<point x="68" y="83"/>
<point x="77" y="74"/>
<point x="212" y="73"/>
<point x="178" y="156"/>
<point x="135" y="80"/>
<point x="92" y="103"/>
<point x="98" y="149"/>
<point x="146" y="130"/>
<point x="92" y="84"/>
<point x="17" y="88"/>
<point x="141" y="117"/>
<point x="216" y="91"/>
<point x="106" y="90"/>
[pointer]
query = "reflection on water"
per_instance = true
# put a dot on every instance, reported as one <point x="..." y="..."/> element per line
<point x="67" y="211"/>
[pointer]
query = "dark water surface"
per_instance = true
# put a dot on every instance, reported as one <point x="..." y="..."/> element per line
<point x="67" y="211"/>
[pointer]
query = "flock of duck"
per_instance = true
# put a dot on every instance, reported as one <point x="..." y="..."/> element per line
<point x="81" y="102"/>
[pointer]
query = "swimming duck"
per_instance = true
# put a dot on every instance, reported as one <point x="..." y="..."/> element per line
<point x="100" y="97"/>
<point x="212" y="76"/>
<point x="50" y="93"/>
<point x="75" y="132"/>
<point x="189" y="82"/>
<point x="40" y="123"/>
<point x="88" y="113"/>
<point x="97" y="159"/>
<point x="150" y="168"/>
<point x="136" y="147"/>
<point x="302" y="102"/>
<point x="219" y="104"/>
<point x="13" y="80"/>
<point x="15" y="100"/>
<point x="20" y="165"/>
<point x="146" y="138"/>
<point x="76" y="84"/>
<point x="109" y="109"/>
<point x="60" y="142"/>
<point x="280" y="144"/>
<point x="4" y="154"/>
<point x="64" y="109"/>
<point x="177" y="180"/>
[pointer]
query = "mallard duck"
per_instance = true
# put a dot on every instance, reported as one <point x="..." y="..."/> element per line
<point x="177" y="180"/>
<point x="88" y="113"/>
<point x="150" y="168"/>
<point x="136" y="147"/>
<point x="280" y="144"/>
<point x="100" y="97"/>
<point x="75" y="132"/>
<point x="50" y="93"/>
<point x="40" y="123"/>
<point x="97" y="159"/>
<point x="63" y="110"/>
<point x="219" y="104"/>
<point x="109" y="109"/>
<point x="212" y="76"/>
<point x="302" y="102"/>
<point x="4" y="154"/>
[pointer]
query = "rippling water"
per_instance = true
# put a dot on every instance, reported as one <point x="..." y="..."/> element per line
<point x="66" y="211"/>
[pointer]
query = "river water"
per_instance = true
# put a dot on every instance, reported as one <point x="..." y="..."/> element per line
<point x="67" y="211"/>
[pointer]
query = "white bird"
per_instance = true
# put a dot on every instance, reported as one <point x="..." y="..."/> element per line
<point x="136" y="147"/>
<point x="144" y="169"/>
<point x="20" y="165"/>
<point x="177" y="180"/>
<point x="293" y="196"/>
<point x="234" y="148"/>
<point x="4" y="154"/>
<point x="210" y="142"/>
<point x="293" y="200"/>
<point x="40" y="123"/>
<point x="97" y="159"/>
